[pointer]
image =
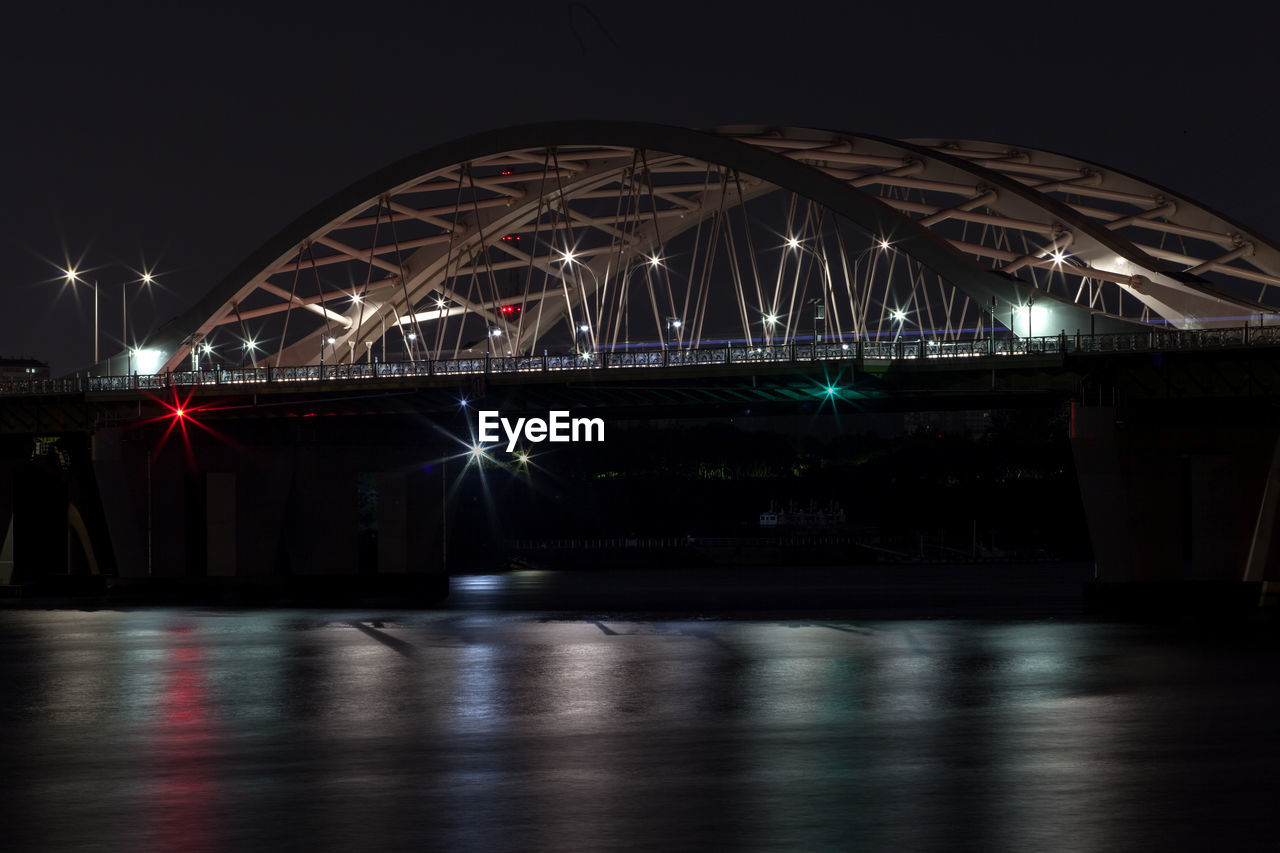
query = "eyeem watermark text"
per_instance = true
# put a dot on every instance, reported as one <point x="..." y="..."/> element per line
<point x="558" y="426"/>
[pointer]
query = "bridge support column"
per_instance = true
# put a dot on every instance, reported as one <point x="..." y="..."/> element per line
<point x="261" y="507"/>
<point x="220" y="523"/>
<point x="321" y="530"/>
<point x="407" y="524"/>
<point x="6" y="550"/>
<point x="1263" y="553"/>
<point x="120" y="468"/>
<point x="1175" y="503"/>
<point x="8" y="465"/>
<point x="40" y="533"/>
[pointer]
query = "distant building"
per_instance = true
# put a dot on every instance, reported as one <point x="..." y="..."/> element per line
<point x="12" y="369"/>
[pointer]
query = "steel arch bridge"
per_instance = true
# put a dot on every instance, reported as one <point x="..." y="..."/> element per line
<point x="607" y="236"/>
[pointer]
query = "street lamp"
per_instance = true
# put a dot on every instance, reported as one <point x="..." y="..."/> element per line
<point x="146" y="279"/>
<point x="654" y="262"/>
<point x="771" y="321"/>
<point x="882" y="245"/>
<point x="73" y="277"/>
<point x="819" y="312"/>
<point x="900" y="317"/>
<point x="650" y="263"/>
<point x="582" y="330"/>
<point x="331" y="341"/>
<point x="828" y="285"/>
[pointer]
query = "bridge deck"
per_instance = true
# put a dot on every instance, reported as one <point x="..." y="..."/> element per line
<point x="870" y="357"/>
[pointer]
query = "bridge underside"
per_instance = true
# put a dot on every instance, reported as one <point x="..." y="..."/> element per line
<point x="260" y="482"/>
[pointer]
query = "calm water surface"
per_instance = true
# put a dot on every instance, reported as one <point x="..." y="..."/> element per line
<point x="470" y="729"/>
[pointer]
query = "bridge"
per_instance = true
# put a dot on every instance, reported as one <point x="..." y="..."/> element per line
<point x="640" y="267"/>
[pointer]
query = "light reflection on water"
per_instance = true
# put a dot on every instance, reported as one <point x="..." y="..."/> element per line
<point x="173" y="730"/>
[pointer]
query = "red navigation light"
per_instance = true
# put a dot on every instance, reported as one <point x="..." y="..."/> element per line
<point x="176" y="415"/>
<point x="506" y="171"/>
<point x="509" y="310"/>
<point x="511" y="238"/>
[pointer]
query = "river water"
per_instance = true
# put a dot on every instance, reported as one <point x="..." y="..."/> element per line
<point x="487" y="725"/>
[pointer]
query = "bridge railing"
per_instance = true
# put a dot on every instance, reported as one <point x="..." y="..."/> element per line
<point x="866" y="349"/>
<point x="644" y="358"/>
<point x="764" y="354"/>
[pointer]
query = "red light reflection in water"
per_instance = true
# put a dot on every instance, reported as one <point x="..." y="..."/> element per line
<point x="182" y="808"/>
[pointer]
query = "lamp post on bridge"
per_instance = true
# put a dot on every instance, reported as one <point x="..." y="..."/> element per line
<point x="73" y="277"/>
<point x="770" y="323"/>
<point x="147" y="279"/>
<point x="584" y="329"/>
<point x="581" y="330"/>
<point x="653" y="262"/>
<point x="331" y="341"/>
<point x="673" y="331"/>
<point x="900" y="317"/>
<point x="883" y="245"/>
<point x="820" y="304"/>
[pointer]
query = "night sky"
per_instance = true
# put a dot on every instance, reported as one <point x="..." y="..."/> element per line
<point x="182" y="138"/>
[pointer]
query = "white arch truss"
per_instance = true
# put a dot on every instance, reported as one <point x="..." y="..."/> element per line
<point x="605" y="236"/>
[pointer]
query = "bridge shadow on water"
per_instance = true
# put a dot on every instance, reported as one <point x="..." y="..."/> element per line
<point x="885" y="591"/>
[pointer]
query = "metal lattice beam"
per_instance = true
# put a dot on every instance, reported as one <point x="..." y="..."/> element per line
<point x="647" y="235"/>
